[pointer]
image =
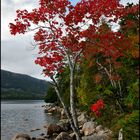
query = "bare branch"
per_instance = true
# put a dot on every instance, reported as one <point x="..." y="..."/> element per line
<point x="39" y="28"/>
<point x="107" y="72"/>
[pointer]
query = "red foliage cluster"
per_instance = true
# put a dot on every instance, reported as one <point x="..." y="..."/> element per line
<point x="51" y="64"/>
<point x="131" y="11"/>
<point x="95" y="10"/>
<point x="111" y="44"/>
<point x="97" y="106"/>
<point x="57" y="26"/>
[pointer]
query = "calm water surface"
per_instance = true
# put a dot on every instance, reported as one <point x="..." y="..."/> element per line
<point x="22" y="116"/>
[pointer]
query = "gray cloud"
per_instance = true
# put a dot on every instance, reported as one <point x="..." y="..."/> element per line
<point x="16" y="57"/>
<point x="16" y="54"/>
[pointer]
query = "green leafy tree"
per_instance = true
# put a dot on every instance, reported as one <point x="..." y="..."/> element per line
<point x="51" y="96"/>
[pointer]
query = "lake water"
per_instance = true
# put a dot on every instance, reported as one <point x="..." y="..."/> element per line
<point x="22" y="116"/>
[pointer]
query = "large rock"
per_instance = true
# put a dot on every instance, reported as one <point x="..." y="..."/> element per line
<point x="99" y="128"/>
<point x="47" y="108"/>
<point x="53" y="128"/>
<point x="65" y="126"/>
<point x="52" y="110"/>
<point x="83" y="118"/>
<point x="73" y="136"/>
<point x="89" y="128"/>
<point x="105" y="131"/>
<point x="21" y="136"/>
<point x="96" y="137"/>
<point x="63" y="136"/>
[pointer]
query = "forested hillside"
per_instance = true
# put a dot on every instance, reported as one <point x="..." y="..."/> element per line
<point x="20" y="86"/>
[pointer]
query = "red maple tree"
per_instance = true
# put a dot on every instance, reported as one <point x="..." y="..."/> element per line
<point x="63" y="33"/>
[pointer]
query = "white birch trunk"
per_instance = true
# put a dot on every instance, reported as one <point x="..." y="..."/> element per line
<point x="72" y="99"/>
<point x="76" y="131"/>
<point x="72" y="95"/>
<point x="68" y="114"/>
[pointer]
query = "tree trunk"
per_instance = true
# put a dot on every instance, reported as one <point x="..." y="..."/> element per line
<point x="72" y="103"/>
<point x="75" y="129"/>
<point x="72" y="116"/>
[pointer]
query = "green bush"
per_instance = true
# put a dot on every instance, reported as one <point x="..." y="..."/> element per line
<point x="130" y="125"/>
<point x="51" y="96"/>
<point x="132" y="100"/>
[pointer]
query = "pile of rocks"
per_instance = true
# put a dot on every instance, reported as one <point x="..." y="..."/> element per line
<point x="50" y="109"/>
<point x="89" y="129"/>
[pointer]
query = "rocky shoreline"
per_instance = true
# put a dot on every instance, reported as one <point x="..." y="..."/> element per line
<point x="89" y="128"/>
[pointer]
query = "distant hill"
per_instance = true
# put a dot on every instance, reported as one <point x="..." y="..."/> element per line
<point x="20" y="86"/>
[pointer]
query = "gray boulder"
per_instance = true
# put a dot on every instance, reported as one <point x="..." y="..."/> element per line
<point x="99" y="128"/>
<point x="63" y="136"/>
<point x="21" y="136"/>
<point x="103" y="131"/>
<point x="53" y="128"/>
<point x="83" y="118"/>
<point x="96" y="137"/>
<point x="89" y="128"/>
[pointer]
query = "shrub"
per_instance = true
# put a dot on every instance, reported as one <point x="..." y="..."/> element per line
<point x="130" y="125"/>
<point x="51" y="96"/>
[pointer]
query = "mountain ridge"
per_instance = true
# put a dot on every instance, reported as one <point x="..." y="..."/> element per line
<point x="21" y="86"/>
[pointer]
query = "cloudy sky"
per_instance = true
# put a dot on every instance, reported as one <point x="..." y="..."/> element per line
<point x="17" y="53"/>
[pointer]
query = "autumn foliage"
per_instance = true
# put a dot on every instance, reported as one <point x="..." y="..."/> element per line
<point x="60" y="27"/>
<point x="97" y="107"/>
<point x="67" y="36"/>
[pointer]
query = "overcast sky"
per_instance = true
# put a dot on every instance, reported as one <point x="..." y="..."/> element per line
<point x="17" y="54"/>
